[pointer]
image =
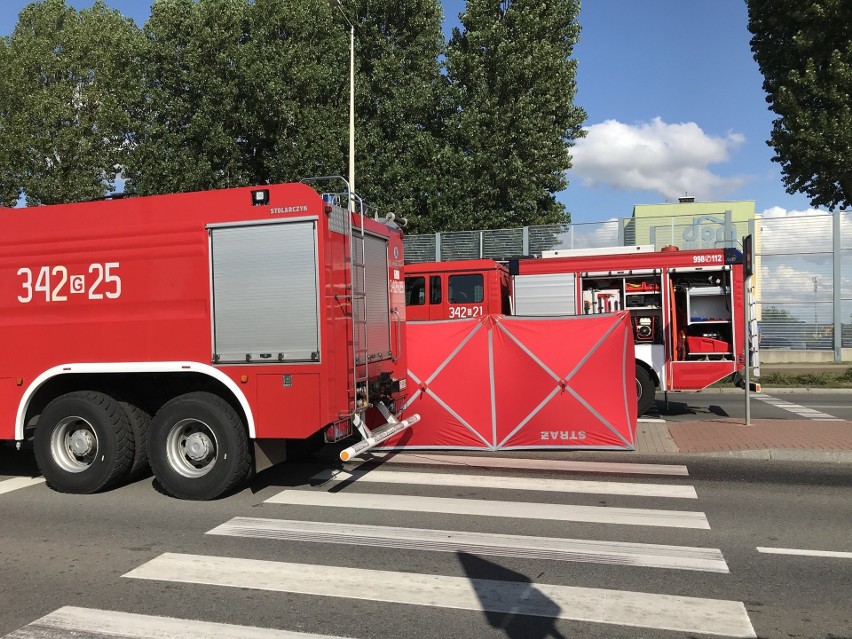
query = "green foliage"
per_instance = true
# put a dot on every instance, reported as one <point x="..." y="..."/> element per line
<point x="218" y="93"/>
<point x="400" y="106"/>
<point x="64" y="123"/>
<point x="514" y="82"/>
<point x="842" y="378"/>
<point x="188" y="108"/>
<point x="9" y="185"/>
<point x="237" y="93"/>
<point x="804" y="50"/>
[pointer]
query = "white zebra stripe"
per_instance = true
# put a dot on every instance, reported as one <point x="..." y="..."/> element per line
<point x="501" y="545"/>
<point x="510" y="483"/>
<point x="635" y="609"/>
<point x="833" y="554"/>
<point x="522" y="463"/>
<point x="483" y="508"/>
<point x="70" y="621"/>
<point x="802" y="411"/>
<point x="16" y="483"/>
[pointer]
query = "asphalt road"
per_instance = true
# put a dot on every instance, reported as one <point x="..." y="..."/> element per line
<point x="135" y="550"/>
<point x="716" y="403"/>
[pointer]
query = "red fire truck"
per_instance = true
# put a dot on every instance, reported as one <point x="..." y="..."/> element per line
<point x="211" y="334"/>
<point x="686" y="306"/>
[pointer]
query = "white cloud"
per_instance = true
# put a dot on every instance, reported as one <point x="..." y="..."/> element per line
<point x="777" y="211"/>
<point x="670" y="159"/>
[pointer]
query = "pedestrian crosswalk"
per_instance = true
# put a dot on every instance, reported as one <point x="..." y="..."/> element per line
<point x="73" y="622"/>
<point x="493" y="544"/>
<point x="494" y="508"/>
<point x="636" y="609"/>
<point x="801" y="411"/>
<point x="325" y="501"/>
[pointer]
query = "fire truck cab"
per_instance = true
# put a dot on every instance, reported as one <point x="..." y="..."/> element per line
<point x="456" y="290"/>
<point x="686" y="307"/>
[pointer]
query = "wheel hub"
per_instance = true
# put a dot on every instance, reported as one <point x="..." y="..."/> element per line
<point x="81" y="442"/>
<point x="198" y="446"/>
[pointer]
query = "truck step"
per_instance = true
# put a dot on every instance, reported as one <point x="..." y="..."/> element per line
<point x="377" y="436"/>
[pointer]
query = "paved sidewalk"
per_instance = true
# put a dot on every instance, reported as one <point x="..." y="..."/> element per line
<point x="799" y="440"/>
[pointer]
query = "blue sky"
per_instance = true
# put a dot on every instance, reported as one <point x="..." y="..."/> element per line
<point x="674" y="101"/>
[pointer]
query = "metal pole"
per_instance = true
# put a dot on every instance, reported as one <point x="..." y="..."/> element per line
<point x="351" y="116"/>
<point x="837" y="280"/>
<point x="747" y="347"/>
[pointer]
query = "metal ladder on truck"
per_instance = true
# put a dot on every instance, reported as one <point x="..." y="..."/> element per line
<point x="360" y="392"/>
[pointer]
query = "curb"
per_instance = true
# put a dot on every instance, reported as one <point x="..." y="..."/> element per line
<point x="767" y="454"/>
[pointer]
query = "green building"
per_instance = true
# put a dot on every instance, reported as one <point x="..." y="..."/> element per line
<point x="688" y="224"/>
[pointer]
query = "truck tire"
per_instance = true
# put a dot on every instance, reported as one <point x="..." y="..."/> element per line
<point x="644" y="390"/>
<point x="83" y="443"/>
<point x="199" y="447"/>
<point x="140" y="425"/>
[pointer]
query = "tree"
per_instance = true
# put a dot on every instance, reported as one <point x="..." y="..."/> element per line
<point x="511" y="71"/>
<point x="804" y="51"/>
<point x="238" y="93"/>
<point x="64" y="117"/>
<point x="9" y="186"/>
<point x="400" y="106"/>
<point x="294" y="75"/>
<point x="188" y="109"/>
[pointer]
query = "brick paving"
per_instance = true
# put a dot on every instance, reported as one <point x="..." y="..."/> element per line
<point x="762" y="434"/>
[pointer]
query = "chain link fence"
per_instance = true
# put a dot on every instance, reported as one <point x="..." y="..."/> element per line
<point x="803" y="266"/>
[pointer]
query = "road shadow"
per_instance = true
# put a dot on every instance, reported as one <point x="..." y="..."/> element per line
<point x="302" y="472"/>
<point x="677" y="409"/>
<point x="511" y="601"/>
<point x="18" y="463"/>
<point x="673" y="409"/>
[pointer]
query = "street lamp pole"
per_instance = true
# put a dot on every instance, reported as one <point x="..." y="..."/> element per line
<point x="351" y="116"/>
<point x="339" y="5"/>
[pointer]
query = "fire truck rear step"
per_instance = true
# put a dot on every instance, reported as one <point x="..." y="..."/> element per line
<point x="372" y="438"/>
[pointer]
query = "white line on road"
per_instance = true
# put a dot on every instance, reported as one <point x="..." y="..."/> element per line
<point x="531" y="464"/>
<point x="501" y="545"/>
<point x="16" y="483"/>
<point x="484" y="508"/>
<point x="509" y="483"/>
<point x="806" y="553"/>
<point x="70" y="621"/>
<point x="796" y="409"/>
<point x="519" y="597"/>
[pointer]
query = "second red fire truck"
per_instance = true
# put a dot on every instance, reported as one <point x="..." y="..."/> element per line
<point x="686" y="306"/>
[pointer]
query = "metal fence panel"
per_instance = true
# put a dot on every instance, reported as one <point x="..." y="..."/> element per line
<point x="502" y="244"/>
<point x="420" y="248"/>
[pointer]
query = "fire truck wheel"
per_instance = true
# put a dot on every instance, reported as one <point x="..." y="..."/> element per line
<point x="140" y="425"/>
<point x="644" y="390"/>
<point x="83" y="442"/>
<point x="198" y="447"/>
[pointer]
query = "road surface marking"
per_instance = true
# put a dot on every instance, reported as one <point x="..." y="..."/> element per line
<point x="530" y="464"/>
<point x="16" y="483"/>
<point x="509" y="483"/>
<point x="70" y="621"/>
<point x="484" y="508"/>
<point x="521" y="597"/>
<point x="806" y="553"/>
<point x="802" y="411"/>
<point x="501" y="545"/>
